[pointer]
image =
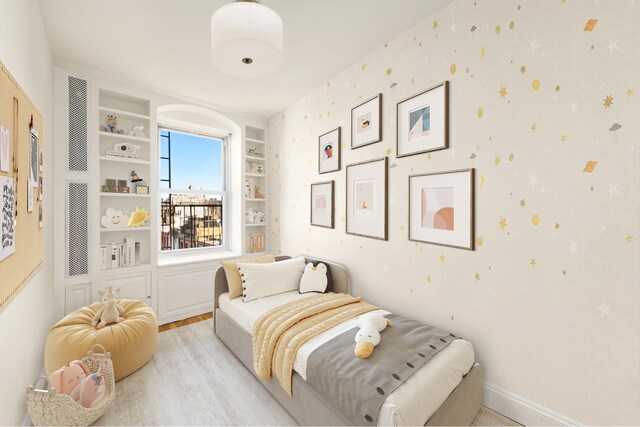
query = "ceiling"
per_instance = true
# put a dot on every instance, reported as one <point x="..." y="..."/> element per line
<point x="165" y="44"/>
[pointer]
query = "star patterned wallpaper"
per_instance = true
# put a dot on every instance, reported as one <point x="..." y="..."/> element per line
<point x="544" y="103"/>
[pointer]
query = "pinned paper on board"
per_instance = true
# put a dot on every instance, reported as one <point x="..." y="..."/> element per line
<point x="7" y="219"/>
<point x="4" y="149"/>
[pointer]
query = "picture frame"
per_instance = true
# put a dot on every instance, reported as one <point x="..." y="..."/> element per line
<point x="422" y="122"/>
<point x="329" y="151"/>
<point x="366" y="122"/>
<point x="449" y="220"/>
<point x="322" y="204"/>
<point x="367" y="198"/>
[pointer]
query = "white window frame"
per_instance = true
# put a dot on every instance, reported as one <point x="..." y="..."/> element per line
<point x="224" y="193"/>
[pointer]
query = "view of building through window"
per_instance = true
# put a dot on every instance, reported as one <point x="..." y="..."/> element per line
<point x="192" y="187"/>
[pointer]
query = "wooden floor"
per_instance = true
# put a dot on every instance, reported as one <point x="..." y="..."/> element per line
<point x="185" y="322"/>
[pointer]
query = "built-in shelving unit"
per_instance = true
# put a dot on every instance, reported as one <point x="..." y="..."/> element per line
<point x="255" y="174"/>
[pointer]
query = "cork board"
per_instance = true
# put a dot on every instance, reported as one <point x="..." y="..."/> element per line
<point x="26" y="250"/>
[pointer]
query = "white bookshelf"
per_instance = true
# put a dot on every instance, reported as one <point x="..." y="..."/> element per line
<point x="255" y="157"/>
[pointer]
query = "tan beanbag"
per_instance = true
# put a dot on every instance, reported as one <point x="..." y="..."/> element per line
<point x="131" y="342"/>
<point x="233" y="277"/>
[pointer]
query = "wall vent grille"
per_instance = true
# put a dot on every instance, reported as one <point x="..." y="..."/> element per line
<point x="78" y="134"/>
<point x="77" y="229"/>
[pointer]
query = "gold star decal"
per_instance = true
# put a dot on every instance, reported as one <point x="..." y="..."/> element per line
<point x="477" y="277"/>
<point x="503" y="92"/>
<point x="557" y="88"/>
<point x="467" y="70"/>
<point x="388" y="151"/>
<point x="497" y="160"/>
<point x="441" y="258"/>
<point x="498" y="30"/>
<point x="363" y="67"/>
<point x="519" y="7"/>
<point x="523" y="69"/>
<point x="502" y="223"/>
<point x="629" y="92"/>
<point x="533" y="127"/>
<point x="563" y="138"/>
<point x="523" y="203"/>
<point x="533" y="262"/>
<point x="557" y="225"/>
<point x="435" y="24"/>
<point x="629" y="238"/>
<point x="608" y="101"/>
<point x="389" y="71"/>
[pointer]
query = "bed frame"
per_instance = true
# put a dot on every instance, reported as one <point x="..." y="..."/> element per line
<point x="311" y="407"/>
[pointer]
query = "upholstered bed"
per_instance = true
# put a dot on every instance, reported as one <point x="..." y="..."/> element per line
<point x="447" y="390"/>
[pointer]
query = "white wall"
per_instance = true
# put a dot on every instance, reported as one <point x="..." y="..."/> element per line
<point x="25" y="322"/>
<point x="563" y="333"/>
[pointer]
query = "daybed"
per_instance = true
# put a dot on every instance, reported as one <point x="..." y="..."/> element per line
<point x="438" y="393"/>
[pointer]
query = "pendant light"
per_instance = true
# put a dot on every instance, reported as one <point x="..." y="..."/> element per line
<point x="246" y="39"/>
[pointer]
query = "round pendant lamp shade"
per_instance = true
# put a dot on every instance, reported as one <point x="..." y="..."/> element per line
<point x="246" y="39"/>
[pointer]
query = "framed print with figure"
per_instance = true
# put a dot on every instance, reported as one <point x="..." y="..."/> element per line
<point x="366" y="122"/>
<point x="329" y="151"/>
<point x="367" y="198"/>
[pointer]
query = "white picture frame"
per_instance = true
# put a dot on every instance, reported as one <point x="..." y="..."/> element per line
<point x="366" y="122"/>
<point x="441" y="208"/>
<point x="322" y="204"/>
<point x="422" y="122"/>
<point x="367" y="194"/>
<point x="329" y="151"/>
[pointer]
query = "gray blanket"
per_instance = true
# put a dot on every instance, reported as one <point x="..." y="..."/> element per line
<point x="359" y="386"/>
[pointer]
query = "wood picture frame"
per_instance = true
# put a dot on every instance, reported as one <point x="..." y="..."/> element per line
<point x="366" y="122"/>
<point x="367" y="195"/>
<point x="450" y="219"/>
<point x="422" y="122"/>
<point x="329" y="147"/>
<point x="322" y="204"/>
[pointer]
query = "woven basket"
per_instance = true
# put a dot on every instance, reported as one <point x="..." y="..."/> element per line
<point x="46" y="407"/>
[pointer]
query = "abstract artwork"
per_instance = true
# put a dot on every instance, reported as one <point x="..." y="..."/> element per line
<point x="322" y="204"/>
<point x="367" y="198"/>
<point x="329" y="151"/>
<point x="422" y="122"/>
<point x="441" y="208"/>
<point x="4" y="149"/>
<point x="366" y="122"/>
<point x="7" y="220"/>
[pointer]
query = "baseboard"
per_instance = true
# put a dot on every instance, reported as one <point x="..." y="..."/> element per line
<point x="522" y="410"/>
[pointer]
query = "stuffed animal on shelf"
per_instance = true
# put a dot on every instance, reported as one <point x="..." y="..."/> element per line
<point x="90" y="390"/>
<point x="138" y="217"/>
<point x="257" y="193"/>
<point x="258" y="217"/>
<point x="368" y="336"/>
<point x="67" y="378"/>
<point x="111" y="125"/>
<point x="137" y="131"/>
<point x="250" y="216"/>
<point x="110" y="312"/>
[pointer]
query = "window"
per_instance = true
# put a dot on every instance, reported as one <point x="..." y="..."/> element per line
<point x="192" y="191"/>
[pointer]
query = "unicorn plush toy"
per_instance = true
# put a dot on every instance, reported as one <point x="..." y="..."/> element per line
<point x="110" y="311"/>
<point x="370" y="324"/>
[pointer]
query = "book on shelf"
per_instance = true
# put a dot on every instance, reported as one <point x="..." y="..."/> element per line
<point x="120" y="254"/>
<point x="112" y="153"/>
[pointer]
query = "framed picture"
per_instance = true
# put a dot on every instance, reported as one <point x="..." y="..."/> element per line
<point x="366" y="122"/>
<point x="322" y="204"/>
<point x="423" y="122"/>
<point x="367" y="198"/>
<point x="329" y="151"/>
<point x="441" y="208"/>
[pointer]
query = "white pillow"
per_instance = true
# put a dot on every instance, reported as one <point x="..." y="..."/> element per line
<point x="314" y="279"/>
<point x="263" y="280"/>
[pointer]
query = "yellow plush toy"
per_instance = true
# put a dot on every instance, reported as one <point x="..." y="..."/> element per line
<point x="370" y="324"/>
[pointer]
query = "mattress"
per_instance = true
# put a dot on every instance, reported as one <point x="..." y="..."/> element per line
<point x="413" y="402"/>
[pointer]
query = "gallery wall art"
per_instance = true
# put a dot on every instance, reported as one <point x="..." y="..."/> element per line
<point x="366" y="122"/>
<point x="322" y="204"/>
<point x="329" y="151"/>
<point x="367" y="198"/>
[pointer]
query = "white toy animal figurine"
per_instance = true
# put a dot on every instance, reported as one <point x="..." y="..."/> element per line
<point x="368" y="336"/>
<point x="138" y="131"/>
<point x="110" y="312"/>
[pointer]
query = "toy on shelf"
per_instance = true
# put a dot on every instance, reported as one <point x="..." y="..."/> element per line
<point x="259" y="168"/>
<point x="110" y="311"/>
<point x="255" y="243"/>
<point x="126" y="150"/>
<point x="138" y="218"/>
<point x="258" y="216"/>
<point x="135" y="177"/>
<point x="257" y="194"/>
<point x="137" y="131"/>
<point x="250" y="216"/>
<point x="368" y="336"/>
<point x="254" y="152"/>
<point x="111" y="125"/>
<point x="114" y="219"/>
<point x="115" y="186"/>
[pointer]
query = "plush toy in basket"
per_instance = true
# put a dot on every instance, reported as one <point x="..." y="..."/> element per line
<point x="76" y="394"/>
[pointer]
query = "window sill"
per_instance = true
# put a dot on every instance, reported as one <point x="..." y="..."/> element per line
<point x="175" y="260"/>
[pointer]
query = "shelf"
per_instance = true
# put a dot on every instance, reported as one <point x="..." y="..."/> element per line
<point x="122" y="113"/>
<point x="253" y="157"/>
<point x="257" y="175"/>
<point x="109" y="135"/>
<point x="254" y="141"/>
<point x="256" y="225"/>
<point x="125" y="269"/>
<point x="255" y="200"/>
<point x="124" y="230"/>
<point x="124" y="160"/>
<point x="103" y="194"/>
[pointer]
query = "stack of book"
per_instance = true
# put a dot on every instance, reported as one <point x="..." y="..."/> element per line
<point x="116" y="255"/>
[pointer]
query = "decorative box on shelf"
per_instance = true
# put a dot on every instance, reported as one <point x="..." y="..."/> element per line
<point x="142" y="189"/>
<point x="115" y="189"/>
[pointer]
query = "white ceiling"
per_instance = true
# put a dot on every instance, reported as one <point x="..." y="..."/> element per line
<point x="165" y="44"/>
